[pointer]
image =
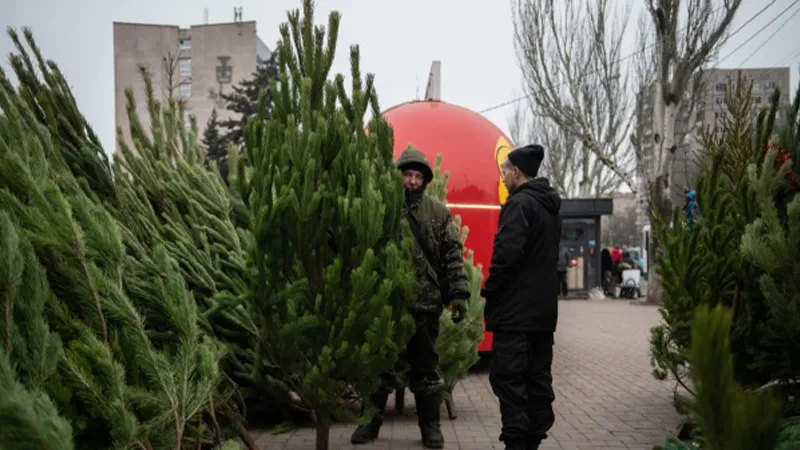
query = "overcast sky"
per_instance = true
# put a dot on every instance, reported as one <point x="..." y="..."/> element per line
<point x="398" y="39"/>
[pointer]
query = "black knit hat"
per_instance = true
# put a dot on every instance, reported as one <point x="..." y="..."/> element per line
<point x="527" y="159"/>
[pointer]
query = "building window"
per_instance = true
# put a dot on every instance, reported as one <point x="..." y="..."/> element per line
<point x="773" y="85"/>
<point x="185" y="44"/>
<point x="185" y="67"/>
<point x="187" y="118"/>
<point x="720" y="86"/>
<point x="186" y="91"/>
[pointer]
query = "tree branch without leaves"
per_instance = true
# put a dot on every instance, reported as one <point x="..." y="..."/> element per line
<point x="678" y="55"/>
<point x="570" y="56"/>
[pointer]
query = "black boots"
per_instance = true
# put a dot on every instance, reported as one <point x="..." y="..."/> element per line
<point x="428" y="415"/>
<point x="365" y="434"/>
<point x="427" y="412"/>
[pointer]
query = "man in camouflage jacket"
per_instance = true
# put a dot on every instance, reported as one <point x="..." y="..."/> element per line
<point x="441" y="281"/>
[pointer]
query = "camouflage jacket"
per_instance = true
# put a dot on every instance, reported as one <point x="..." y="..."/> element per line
<point x="446" y="271"/>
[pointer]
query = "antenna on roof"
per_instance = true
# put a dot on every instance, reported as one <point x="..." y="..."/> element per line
<point x="237" y="13"/>
<point x="205" y="15"/>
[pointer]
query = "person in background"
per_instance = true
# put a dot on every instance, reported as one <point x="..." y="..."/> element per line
<point x="607" y="267"/>
<point x="564" y="263"/>
<point x="521" y="295"/>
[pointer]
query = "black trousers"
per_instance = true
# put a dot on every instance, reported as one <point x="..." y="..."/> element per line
<point x="562" y="282"/>
<point x="422" y="358"/>
<point x="521" y="377"/>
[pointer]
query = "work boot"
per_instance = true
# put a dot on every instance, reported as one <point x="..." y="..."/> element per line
<point x="519" y="445"/>
<point x="428" y="415"/>
<point x="365" y="434"/>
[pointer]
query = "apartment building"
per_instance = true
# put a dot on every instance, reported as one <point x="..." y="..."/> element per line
<point x="708" y="113"/>
<point x="195" y="63"/>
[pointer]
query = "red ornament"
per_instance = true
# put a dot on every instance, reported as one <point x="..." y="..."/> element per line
<point x="472" y="149"/>
<point x="780" y="159"/>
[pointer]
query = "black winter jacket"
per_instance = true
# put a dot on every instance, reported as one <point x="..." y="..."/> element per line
<point x="521" y="290"/>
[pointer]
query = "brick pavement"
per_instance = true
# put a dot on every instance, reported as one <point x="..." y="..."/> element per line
<point x="605" y="395"/>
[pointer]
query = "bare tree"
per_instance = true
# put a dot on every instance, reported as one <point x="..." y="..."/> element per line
<point x="570" y="56"/>
<point x="670" y="74"/>
<point x="677" y="57"/>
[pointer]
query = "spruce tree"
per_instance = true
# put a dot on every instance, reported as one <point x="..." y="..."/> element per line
<point x="243" y="101"/>
<point x="332" y="275"/>
<point x="124" y="381"/>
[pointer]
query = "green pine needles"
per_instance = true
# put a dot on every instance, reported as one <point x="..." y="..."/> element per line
<point x="332" y="273"/>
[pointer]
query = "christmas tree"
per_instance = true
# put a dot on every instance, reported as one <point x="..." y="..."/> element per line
<point x="731" y="417"/>
<point x="332" y="275"/>
<point x="168" y="197"/>
<point x="740" y="254"/>
<point x="30" y="419"/>
<point x="243" y="101"/>
<point x="123" y="381"/>
<point x="772" y="243"/>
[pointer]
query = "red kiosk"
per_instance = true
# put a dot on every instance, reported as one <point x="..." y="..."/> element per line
<point x="472" y="149"/>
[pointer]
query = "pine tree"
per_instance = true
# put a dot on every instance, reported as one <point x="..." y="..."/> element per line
<point x="332" y="274"/>
<point x="29" y="417"/>
<point x="772" y="243"/>
<point x="730" y="417"/>
<point x="740" y="254"/>
<point x="169" y="198"/>
<point x="243" y="101"/>
<point x="216" y="148"/>
<point x="123" y="382"/>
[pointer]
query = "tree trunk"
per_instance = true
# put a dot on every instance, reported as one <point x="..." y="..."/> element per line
<point x="586" y="184"/>
<point x="323" y="432"/>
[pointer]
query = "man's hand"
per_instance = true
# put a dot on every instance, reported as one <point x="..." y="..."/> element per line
<point x="459" y="310"/>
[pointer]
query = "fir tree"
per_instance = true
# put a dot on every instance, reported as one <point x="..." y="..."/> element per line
<point x="243" y="101"/>
<point x="332" y="273"/>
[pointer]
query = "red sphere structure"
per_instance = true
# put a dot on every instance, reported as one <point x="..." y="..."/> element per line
<point x="472" y="149"/>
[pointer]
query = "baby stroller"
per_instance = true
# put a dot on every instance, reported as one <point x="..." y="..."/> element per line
<point x="630" y="287"/>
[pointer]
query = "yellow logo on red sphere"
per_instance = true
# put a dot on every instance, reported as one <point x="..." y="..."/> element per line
<point x="501" y="151"/>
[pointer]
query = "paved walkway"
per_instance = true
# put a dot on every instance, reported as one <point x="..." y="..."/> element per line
<point x="605" y="395"/>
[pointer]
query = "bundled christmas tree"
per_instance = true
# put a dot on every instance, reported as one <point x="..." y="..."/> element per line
<point x="332" y="273"/>
<point x="123" y="381"/>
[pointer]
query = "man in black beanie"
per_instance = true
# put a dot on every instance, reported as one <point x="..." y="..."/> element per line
<point x="521" y="295"/>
